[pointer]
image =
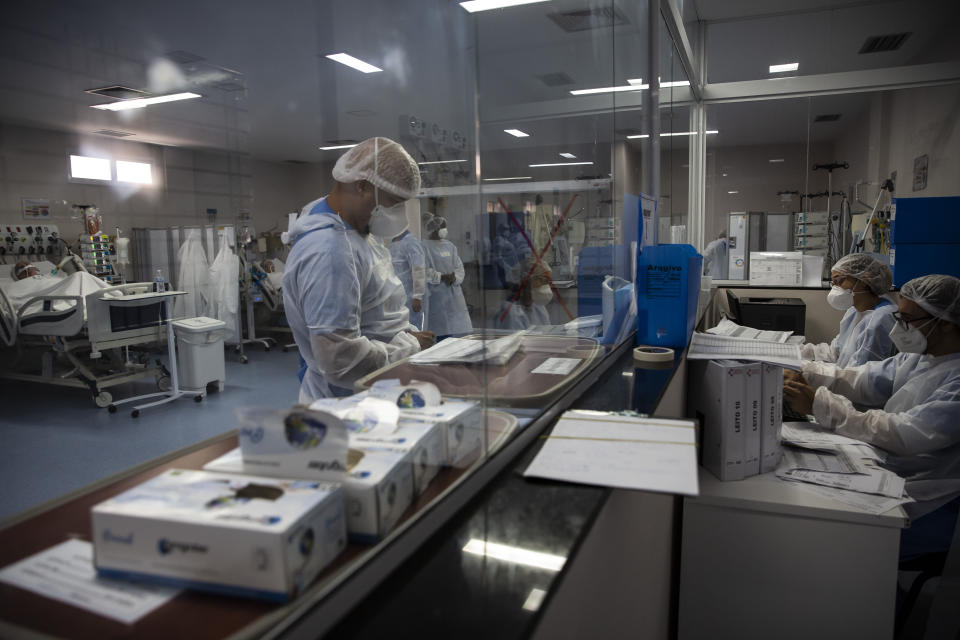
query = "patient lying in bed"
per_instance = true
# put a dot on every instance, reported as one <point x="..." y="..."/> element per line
<point x="30" y="283"/>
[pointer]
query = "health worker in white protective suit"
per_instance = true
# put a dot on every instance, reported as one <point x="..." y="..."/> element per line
<point x="409" y="263"/>
<point x="447" y="313"/>
<point x="918" y="392"/>
<point x="860" y="283"/>
<point x="345" y="305"/>
<point x="715" y="258"/>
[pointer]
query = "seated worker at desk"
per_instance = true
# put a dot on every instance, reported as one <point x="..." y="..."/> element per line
<point x="919" y="392"/>
<point x="344" y="303"/>
<point x="860" y="283"/>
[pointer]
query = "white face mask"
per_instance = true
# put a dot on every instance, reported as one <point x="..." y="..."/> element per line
<point x="442" y="233"/>
<point x="542" y="295"/>
<point x="387" y="222"/>
<point x="909" y="340"/>
<point x="839" y="298"/>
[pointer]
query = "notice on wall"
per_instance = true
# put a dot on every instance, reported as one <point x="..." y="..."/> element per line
<point x="35" y="208"/>
<point x="65" y="572"/>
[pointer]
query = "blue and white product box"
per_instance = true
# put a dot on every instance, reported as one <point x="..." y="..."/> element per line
<point x="227" y="533"/>
<point x="425" y="443"/>
<point x="462" y="425"/>
<point x="377" y="487"/>
<point x="298" y="443"/>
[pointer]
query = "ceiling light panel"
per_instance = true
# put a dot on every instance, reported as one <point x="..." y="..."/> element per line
<point x="354" y="63"/>
<point x="473" y="6"/>
<point x="338" y="146"/>
<point x="140" y="103"/>
<point x="511" y="178"/>
<point x="781" y="68"/>
<point x="517" y="133"/>
<point x="558" y="164"/>
<point x="569" y="156"/>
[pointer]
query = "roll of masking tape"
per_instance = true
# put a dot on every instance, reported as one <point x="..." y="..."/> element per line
<point x="647" y="354"/>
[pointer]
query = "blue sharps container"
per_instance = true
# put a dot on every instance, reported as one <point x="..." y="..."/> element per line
<point x="668" y="289"/>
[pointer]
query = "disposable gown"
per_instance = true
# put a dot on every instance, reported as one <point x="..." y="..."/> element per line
<point x="715" y="259"/>
<point x="919" y="423"/>
<point x="538" y="314"/>
<point x="409" y="263"/>
<point x="515" y="320"/>
<point x="447" y="312"/>
<point x="863" y="337"/>
<point x="193" y="276"/>
<point x="224" y="300"/>
<point x="343" y="302"/>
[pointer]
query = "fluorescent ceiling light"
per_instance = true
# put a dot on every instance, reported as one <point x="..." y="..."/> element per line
<point x="516" y="555"/>
<point x="673" y="133"/>
<point x="568" y="155"/>
<point x="513" y="178"/>
<point x="88" y="168"/>
<point x="140" y="103"/>
<point x="638" y="82"/>
<point x="776" y="159"/>
<point x="535" y="599"/>
<point x="441" y="161"/>
<point x="517" y="133"/>
<point x="558" y="164"/>
<point x="339" y="146"/>
<point x="780" y="68"/>
<point x="732" y="192"/>
<point x="626" y="87"/>
<point x="486" y="5"/>
<point x="137" y="172"/>
<point x="354" y="63"/>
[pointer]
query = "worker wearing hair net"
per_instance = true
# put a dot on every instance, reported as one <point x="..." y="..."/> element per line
<point x="345" y="305"/>
<point x="715" y="257"/>
<point x="860" y="283"/>
<point x="447" y="313"/>
<point x="919" y="392"/>
<point x="409" y="263"/>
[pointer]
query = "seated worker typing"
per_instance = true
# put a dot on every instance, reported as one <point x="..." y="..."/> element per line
<point x="859" y="284"/>
<point x="918" y="395"/>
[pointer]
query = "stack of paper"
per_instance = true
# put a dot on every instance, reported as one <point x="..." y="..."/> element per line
<point x="842" y="468"/>
<point x="469" y="351"/>
<point x="706" y="346"/>
<point x="728" y="327"/>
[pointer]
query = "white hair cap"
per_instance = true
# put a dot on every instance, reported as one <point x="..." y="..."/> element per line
<point x="384" y="164"/>
<point x="867" y="269"/>
<point x="937" y="294"/>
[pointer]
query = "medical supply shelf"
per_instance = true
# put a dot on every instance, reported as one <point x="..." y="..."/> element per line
<point x="342" y="588"/>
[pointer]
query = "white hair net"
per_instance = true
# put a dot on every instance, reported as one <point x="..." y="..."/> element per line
<point x="434" y="222"/>
<point x="867" y="269"/>
<point x="937" y="294"/>
<point x="384" y="164"/>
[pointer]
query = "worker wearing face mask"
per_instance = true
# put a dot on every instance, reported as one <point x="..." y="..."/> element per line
<point x="918" y="391"/>
<point x="409" y="263"/>
<point x="447" y="312"/>
<point x="859" y="284"/>
<point x="345" y="305"/>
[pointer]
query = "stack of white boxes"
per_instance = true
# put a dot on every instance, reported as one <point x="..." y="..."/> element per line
<point x="739" y="407"/>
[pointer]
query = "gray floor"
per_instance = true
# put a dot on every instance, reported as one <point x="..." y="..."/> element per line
<point x="56" y="440"/>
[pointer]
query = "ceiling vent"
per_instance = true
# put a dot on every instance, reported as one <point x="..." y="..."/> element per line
<point x="558" y="79"/>
<point x="118" y="91"/>
<point x="586" y="19"/>
<point x="827" y="117"/>
<point x="888" y="42"/>
<point x="183" y="57"/>
<point x="113" y="132"/>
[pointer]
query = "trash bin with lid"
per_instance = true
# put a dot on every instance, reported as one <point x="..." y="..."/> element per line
<point x="200" y="353"/>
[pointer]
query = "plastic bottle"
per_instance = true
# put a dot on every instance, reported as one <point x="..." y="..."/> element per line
<point x="158" y="284"/>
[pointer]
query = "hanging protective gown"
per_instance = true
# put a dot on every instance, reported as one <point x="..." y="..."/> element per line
<point x="344" y="304"/>
<point x="409" y="263"/>
<point x="715" y="259"/>
<point x="863" y="337"/>
<point x="224" y="289"/>
<point x="193" y="276"/>
<point x="919" y="423"/>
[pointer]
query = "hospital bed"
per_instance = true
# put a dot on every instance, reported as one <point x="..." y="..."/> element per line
<point x="82" y="340"/>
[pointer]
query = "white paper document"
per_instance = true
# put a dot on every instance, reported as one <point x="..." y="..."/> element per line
<point x="831" y="462"/>
<point x="873" y="480"/>
<point x="705" y="346"/>
<point x="727" y="327"/>
<point x="557" y="366"/>
<point x="593" y="447"/>
<point x="65" y="573"/>
<point x="465" y="350"/>
<point x="806" y="433"/>
<point x="776" y="269"/>
<point x="865" y="501"/>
